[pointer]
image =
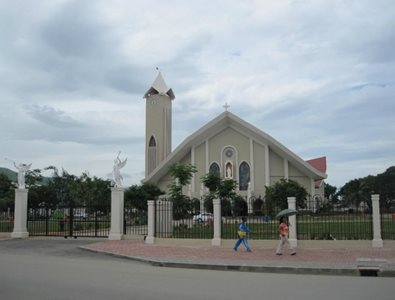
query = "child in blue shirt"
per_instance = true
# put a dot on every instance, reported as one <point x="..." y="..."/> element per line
<point x="242" y="235"/>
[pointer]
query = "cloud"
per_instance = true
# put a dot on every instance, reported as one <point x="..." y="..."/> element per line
<point x="316" y="75"/>
<point x="52" y="117"/>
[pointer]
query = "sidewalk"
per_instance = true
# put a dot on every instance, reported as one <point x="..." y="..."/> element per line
<point x="334" y="261"/>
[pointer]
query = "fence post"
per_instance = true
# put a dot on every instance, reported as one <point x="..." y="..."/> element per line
<point x="216" y="241"/>
<point x="20" y="214"/>
<point x="377" y="240"/>
<point x="117" y="210"/>
<point x="201" y="197"/>
<point x="150" y="238"/>
<point x="249" y="195"/>
<point x="292" y="223"/>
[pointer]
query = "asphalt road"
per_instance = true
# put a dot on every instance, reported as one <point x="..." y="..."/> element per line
<point x="58" y="269"/>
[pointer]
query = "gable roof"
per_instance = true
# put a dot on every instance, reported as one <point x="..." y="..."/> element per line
<point x="159" y="86"/>
<point x="320" y="164"/>
<point x="220" y="123"/>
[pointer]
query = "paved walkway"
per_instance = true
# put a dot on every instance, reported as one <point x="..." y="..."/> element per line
<point x="263" y="259"/>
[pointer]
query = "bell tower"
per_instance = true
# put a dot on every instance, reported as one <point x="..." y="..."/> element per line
<point x="158" y="125"/>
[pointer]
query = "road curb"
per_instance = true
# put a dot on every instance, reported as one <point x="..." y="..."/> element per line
<point x="243" y="268"/>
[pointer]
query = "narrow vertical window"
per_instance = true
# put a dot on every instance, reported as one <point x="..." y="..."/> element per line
<point x="214" y="168"/>
<point x="151" y="154"/>
<point x="244" y="176"/>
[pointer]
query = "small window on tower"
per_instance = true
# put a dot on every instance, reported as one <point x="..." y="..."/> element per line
<point x="152" y="142"/>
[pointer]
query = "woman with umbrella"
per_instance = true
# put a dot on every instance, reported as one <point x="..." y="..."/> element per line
<point x="284" y="231"/>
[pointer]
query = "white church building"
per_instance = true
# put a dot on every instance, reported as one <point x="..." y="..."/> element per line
<point x="228" y="145"/>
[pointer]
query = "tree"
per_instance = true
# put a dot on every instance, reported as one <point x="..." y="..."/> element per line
<point x="34" y="178"/>
<point x="182" y="175"/>
<point x="138" y="195"/>
<point x="357" y="190"/>
<point x="223" y="189"/>
<point x="330" y="193"/>
<point x="276" y="195"/>
<point x="6" y="193"/>
<point x="211" y="181"/>
<point x="240" y="207"/>
<point x="360" y="190"/>
<point x="94" y="193"/>
<point x="385" y="186"/>
<point x="72" y="191"/>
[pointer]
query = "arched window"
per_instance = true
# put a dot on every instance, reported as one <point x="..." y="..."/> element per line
<point x="151" y="154"/>
<point x="214" y="168"/>
<point x="152" y="142"/>
<point x="244" y="176"/>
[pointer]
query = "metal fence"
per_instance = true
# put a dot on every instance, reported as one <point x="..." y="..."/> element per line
<point x="135" y="220"/>
<point x="259" y="219"/>
<point x="6" y="220"/>
<point x="387" y="216"/>
<point x="316" y="220"/>
<point x="81" y="221"/>
<point x="190" y="224"/>
<point x="320" y="220"/>
<point x="262" y="227"/>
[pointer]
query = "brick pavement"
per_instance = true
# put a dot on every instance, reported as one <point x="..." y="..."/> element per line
<point x="328" y="261"/>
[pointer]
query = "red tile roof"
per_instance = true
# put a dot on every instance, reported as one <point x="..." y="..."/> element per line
<point x="319" y="164"/>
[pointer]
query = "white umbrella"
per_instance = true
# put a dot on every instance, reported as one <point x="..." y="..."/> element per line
<point x="286" y="213"/>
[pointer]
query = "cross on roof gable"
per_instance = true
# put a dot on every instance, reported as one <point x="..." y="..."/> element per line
<point x="227" y="119"/>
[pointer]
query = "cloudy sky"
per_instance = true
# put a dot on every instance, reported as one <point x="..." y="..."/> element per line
<point x="318" y="76"/>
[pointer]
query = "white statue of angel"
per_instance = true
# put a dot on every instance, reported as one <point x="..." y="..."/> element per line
<point x="22" y="169"/>
<point x="118" y="165"/>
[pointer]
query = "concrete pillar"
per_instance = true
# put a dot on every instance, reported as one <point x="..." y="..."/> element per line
<point x="201" y="197"/>
<point x="117" y="210"/>
<point x="293" y="240"/>
<point x="150" y="238"/>
<point x="216" y="241"/>
<point x="20" y="214"/>
<point x="377" y="240"/>
<point x="249" y="202"/>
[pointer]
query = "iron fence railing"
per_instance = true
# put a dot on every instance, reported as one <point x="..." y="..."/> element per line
<point x="262" y="227"/>
<point x="320" y="220"/>
<point x="387" y="217"/>
<point x="135" y="220"/>
<point x="316" y="220"/>
<point x="191" y="224"/>
<point x="81" y="221"/>
<point x="6" y="221"/>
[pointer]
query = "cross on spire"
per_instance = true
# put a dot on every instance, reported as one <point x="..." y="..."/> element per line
<point x="226" y="106"/>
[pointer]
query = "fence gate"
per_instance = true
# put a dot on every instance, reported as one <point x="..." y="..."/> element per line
<point x="135" y="220"/>
<point x="69" y="221"/>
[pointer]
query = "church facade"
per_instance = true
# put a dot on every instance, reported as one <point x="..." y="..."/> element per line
<point x="228" y="145"/>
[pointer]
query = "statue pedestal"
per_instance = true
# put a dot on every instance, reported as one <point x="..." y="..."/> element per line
<point x="117" y="210"/>
<point x="20" y="214"/>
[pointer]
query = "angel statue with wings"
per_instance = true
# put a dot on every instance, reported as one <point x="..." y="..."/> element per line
<point x="118" y="165"/>
<point x="22" y="169"/>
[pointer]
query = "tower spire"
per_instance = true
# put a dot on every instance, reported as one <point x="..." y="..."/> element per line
<point x="158" y="123"/>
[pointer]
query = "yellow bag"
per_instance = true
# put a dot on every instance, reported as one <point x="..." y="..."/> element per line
<point x="242" y="234"/>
